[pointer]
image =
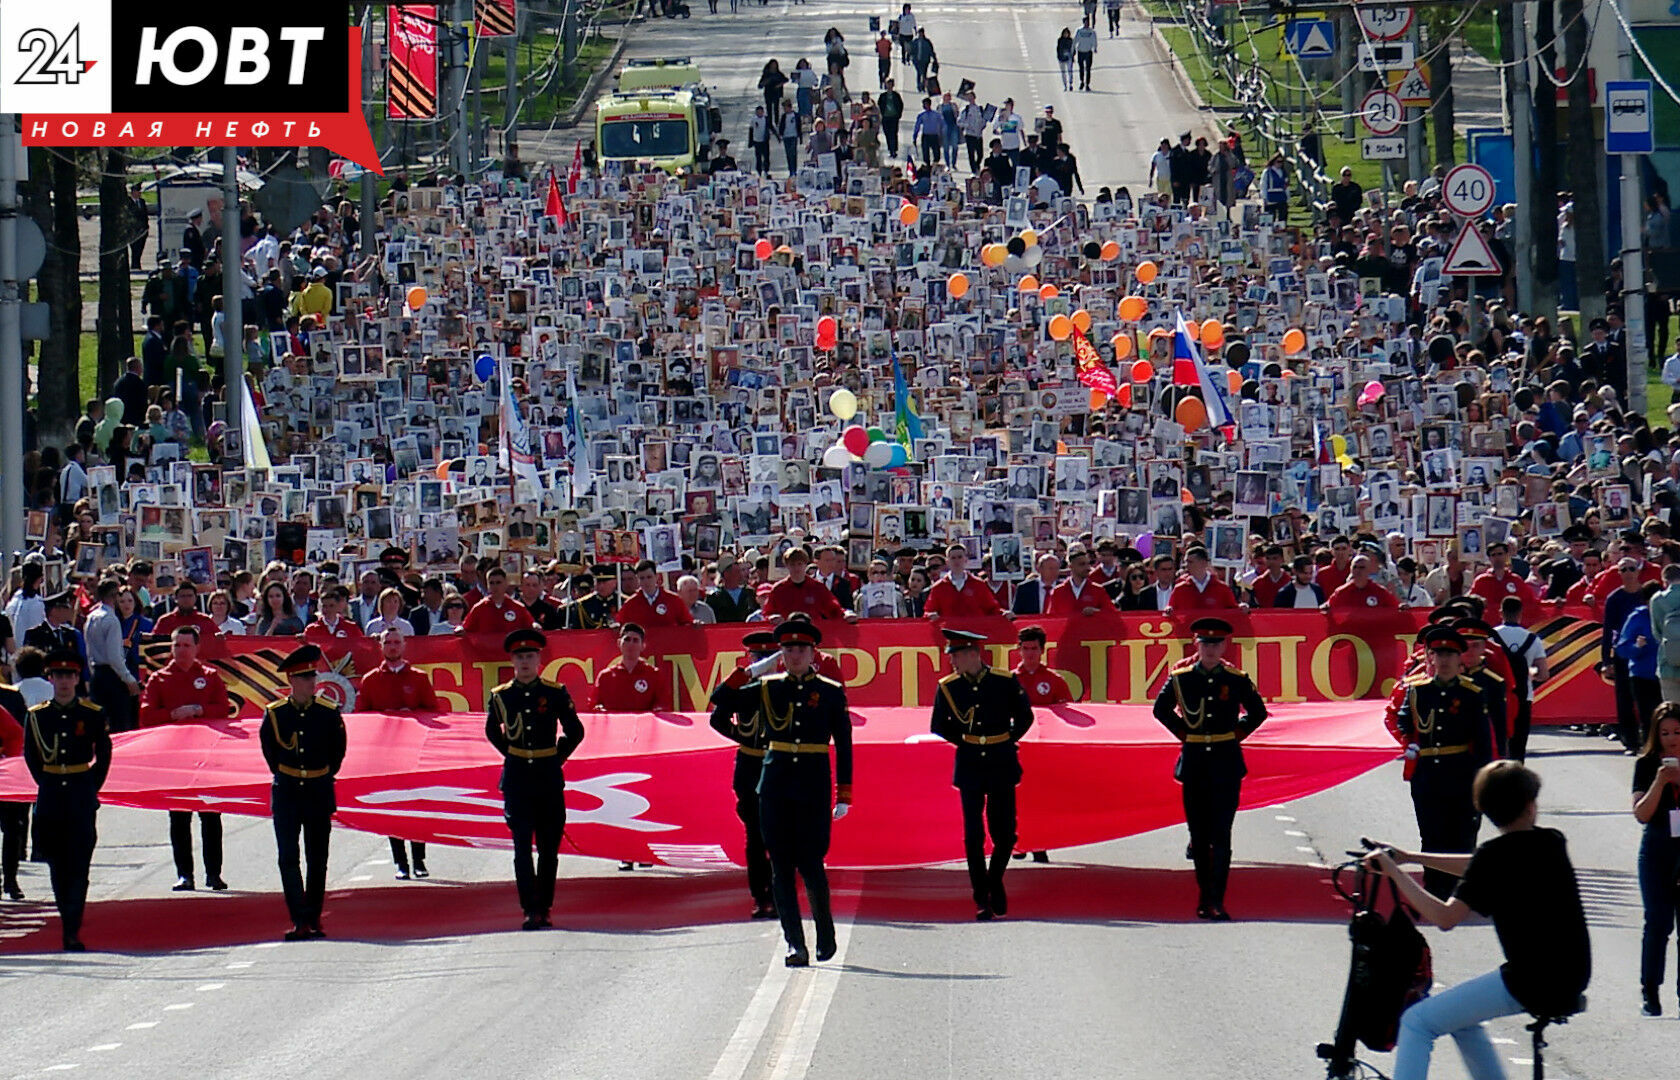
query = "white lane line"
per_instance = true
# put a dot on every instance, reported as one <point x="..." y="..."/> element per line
<point x="361" y="877"/>
<point x="1305" y="850"/>
<point x="1497" y="1041"/>
<point x="181" y="1006"/>
<point x="268" y="945"/>
<point x="1293" y="832"/>
<point x="207" y="987"/>
<point x="749" y="1031"/>
<point x="794" y="1059"/>
<point x="1283" y="817"/>
<point x="142" y="1025"/>
<point x="102" y="1047"/>
<point x="241" y="965"/>
<point x="61" y="1068"/>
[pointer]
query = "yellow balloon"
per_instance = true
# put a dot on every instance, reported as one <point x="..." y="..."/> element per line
<point x="993" y="254"/>
<point x="1029" y="237"/>
<point x="843" y="404"/>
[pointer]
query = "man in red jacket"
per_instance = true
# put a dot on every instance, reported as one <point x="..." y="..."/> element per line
<point x="397" y="686"/>
<point x="185" y="691"/>
<point x="1610" y="579"/>
<point x="1495" y="584"/>
<point x="332" y="630"/>
<point x="1270" y="581"/>
<point x="186" y="613"/>
<point x="1080" y="594"/>
<point x="1359" y="592"/>
<point x="1331" y="577"/>
<point x="1043" y="686"/>
<point x="630" y="684"/>
<point x="497" y="612"/>
<point x="959" y="593"/>
<point x="1198" y="589"/>
<point x="801" y="594"/>
<point x="652" y="604"/>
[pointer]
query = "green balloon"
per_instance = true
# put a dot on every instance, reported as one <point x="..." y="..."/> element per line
<point x="877" y="435"/>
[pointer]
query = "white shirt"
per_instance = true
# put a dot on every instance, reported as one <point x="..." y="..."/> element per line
<point x="1085" y="40"/>
<point x="265" y="253"/>
<point x="1007" y="127"/>
<point x="26" y="613"/>
<point x="1160" y="163"/>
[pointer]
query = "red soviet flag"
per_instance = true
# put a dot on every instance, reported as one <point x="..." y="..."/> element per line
<point x="556" y="207"/>
<point x="1092" y="371"/>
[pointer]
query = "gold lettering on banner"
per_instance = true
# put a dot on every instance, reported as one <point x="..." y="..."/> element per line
<point x="1287" y="665"/>
<point x="910" y="669"/>
<point x="1365" y="668"/>
<point x="1142" y="679"/>
<point x="865" y="660"/>
<point x="685" y="674"/>
<point x="490" y="676"/>
<point x="1076" y="685"/>
<point x="452" y="701"/>
<point x="552" y="669"/>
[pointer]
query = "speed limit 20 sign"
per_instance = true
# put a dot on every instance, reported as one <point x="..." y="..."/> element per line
<point x="1385" y="22"/>
<point x="1468" y="190"/>
<point x="1381" y="112"/>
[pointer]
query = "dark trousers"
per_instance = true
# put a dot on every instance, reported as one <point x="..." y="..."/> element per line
<point x="1085" y="59"/>
<point x="1647" y="695"/>
<point x="745" y="785"/>
<point x="534" y="805"/>
<point x="137" y="254"/>
<point x="400" y="856"/>
<point x="761" y="158"/>
<point x="889" y="130"/>
<point x="110" y="693"/>
<point x="988" y="810"/>
<point x="1210" y="806"/>
<point x="1659" y="863"/>
<point x="1114" y="20"/>
<point x="14" y="838"/>
<point x="796" y="831"/>
<point x="883" y="67"/>
<point x="932" y="147"/>
<point x="65" y="826"/>
<point x="791" y="148"/>
<point x="304" y="809"/>
<point x="1446" y="814"/>
<point x="976" y="152"/>
<point x="1516" y="748"/>
<point x="180" y="840"/>
<point x="921" y="77"/>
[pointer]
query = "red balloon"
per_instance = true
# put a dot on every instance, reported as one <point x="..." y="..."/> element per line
<point x="827" y="327"/>
<point x="763" y="250"/>
<point x="855" y="439"/>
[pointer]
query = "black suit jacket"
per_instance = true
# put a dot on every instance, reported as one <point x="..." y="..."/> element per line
<point x="1030" y="597"/>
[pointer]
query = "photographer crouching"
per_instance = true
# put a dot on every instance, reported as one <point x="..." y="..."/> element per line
<point x="1522" y="879"/>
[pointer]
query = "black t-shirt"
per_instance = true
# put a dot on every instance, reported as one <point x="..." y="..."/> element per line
<point x="1524" y="882"/>
<point x="1645" y="771"/>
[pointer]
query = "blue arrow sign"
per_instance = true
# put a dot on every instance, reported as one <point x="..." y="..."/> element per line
<point x="1310" y="39"/>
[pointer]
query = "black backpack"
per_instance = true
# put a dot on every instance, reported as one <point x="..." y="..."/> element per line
<point x="1392" y="970"/>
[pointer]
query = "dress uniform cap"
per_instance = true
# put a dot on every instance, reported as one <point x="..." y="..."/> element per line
<point x="798" y="632"/>
<point x="1442" y="639"/>
<point x="1211" y="629"/>
<point x="528" y="639"/>
<point x="958" y="640"/>
<point x="1633" y="536"/>
<point x="1577" y="534"/>
<point x="394" y="554"/>
<point x="64" y="660"/>
<point x="301" y="660"/>
<point x="1472" y="629"/>
<point x="759" y="639"/>
<point x="59" y="599"/>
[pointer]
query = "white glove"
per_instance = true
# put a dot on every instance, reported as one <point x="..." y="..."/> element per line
<point x="841" y="810"/>
<point x="1411" y="751"/>
<point x="760" y="668"/>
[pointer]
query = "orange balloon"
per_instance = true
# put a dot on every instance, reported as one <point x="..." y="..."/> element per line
<point x="1184" y="495"/>
<point x="1123" y="345"/>
<point x="1193" y="328"/>
<point x="1134" y="308"/>
<point x="1142" y="371"/>
<point x="1029" y="284"/>
<point x="909" y="214"/>
<point x="957" y="285"/>
<point x="1082" y="319"/>
<point x="1294" y="342"/>
<point x="1098" y="400"/>
<point x="1234" y="381"/>
<point x="1060" y="327"/>
<point x="1123" y="394"/>
<point x="1159" y="332"/>
<point x="1048" y="291"/>
<point x="417" y="296"/>
<point x="1213" y="333"/>
<point x="1190" y="413"/>
<point x="1110" y="251"/>
<point x="443" y="470"/>
<point x="993" y="254"/>
<point x="1146" y="271"/>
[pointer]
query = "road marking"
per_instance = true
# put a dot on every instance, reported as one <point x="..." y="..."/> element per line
<point x="749" y="1031"/>
<point x="60" y="1068"/>
<point x="207" y="987"/>
<point x="178" y="1007"/>
<point x="1502" y="1042"/>
<point x="142" y="1025"/>
<point x="805" y="1029"/>
<point x="1283" y="817"/>
<point x="102" y="1047"/>
<point x="240" y="965"/>
<point x="1293" y="832"/>
<point x="1305" y="850"/>
<point x="361" y="877"/>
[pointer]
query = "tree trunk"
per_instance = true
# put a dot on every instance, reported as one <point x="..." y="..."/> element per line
<point x="1542" y="209"/>
<point x="60" y="288"/>
<point x="1585" y="162"/>
<point x="1441" y="89"/>
<point x="116" y="299"/>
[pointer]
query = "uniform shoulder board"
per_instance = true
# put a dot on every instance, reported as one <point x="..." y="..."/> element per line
<point x="1183" y="665"/>
<point x="1494" y="675"/>
<point x="555" y="684"/>
<point x="826" y="681"/>
<point x="1419" y="679"/>
<point x="91" y="704"/>
<point x="1235" y="670"/>
<point x="501" y="686"/>
<point x="1465" y="680"/>
<point x="42" y="705"/>
<point x="951" y="678"/>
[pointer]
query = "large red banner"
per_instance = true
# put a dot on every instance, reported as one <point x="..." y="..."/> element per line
<point x="1294" y="656"/>
<point x="411" y="75"/>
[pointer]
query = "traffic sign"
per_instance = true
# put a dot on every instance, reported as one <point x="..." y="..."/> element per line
<point x="1381" y="112"/>
<point x="1627" y="117"/>
<point x="1386" y="55"/>
<point x="1385" y="22"/>
<point x="1310" y="39"/>
<point x="1468" y="190"/>
<point x="1389" y="149"/>
<point x="1471" y="256"/>
<point x="1412" y="88"/>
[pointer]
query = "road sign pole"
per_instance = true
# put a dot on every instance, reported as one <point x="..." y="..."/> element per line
<point x="1522" y="146"/>
<point x="11" y="347"/>
<point x="1633" y="252"/>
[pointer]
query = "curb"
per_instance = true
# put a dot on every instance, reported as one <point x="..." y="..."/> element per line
<point x="1170" y="58"/>
<point x="592" y="89"/>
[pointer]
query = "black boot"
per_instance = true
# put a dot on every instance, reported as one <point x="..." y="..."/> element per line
<point x="1653" y="1006"/>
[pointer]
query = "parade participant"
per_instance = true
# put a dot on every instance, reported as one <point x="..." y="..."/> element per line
<point x="497" y="612"/>
<point x="397" y="686"/>
<point x="1198" y="589"/>
<point x="736" y="717"/>
<point x="1043" y="686"/>
<point x="1443" y="718"/>
<point x="1527" y="652"/>
<point x="598" y="607"/>
<point x="186" y="691"/>
<point x="652" y="604"/>
<point x="57" y="632"/>
<point x="1269" y="582"/>
<point x="1656" y="799"/>
<point x="983" y="713"/>
<point x="797" y="794"/>
<point x="303" y="741"/>
<point x="960" y="593"/>
<point x="68" y="752"/>
<point x="332" y="629"/>
<point x="1210" y="706"/>
<point x="1078" y="595"/>
<point x="185" y="613"/>
<point x="14" y="816"/>
<point x="113" y="686"/>
<point x="800" y="593"/>
<point x="1488" y="667"/>
<point x="1610" y="578"/>
<point x="1494" y="585"/>
<point x="535" y="727"/>
<point x="731" y="601"/>
<point x="631" y="684"/>
<point x="1359" y="592"/>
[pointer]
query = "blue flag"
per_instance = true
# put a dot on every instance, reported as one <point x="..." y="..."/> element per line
<point x="909" y="424"/>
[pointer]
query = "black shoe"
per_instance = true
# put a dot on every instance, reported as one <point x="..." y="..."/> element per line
<point x="797" y="958"/>
<point x="1000" y="900"/>
<point x="420" y="870"/>
<point x="402" y="873"/>
<point x="627" y="866"/>
<point x="983" y="915"/>
<point x="1203" y="911"/>
<point x="1653" y="1006"/>
<point x="827" y="947"/>
<point x="532" y="922"/>
<point x="183" y="885"/>
<point x="544" y="921"/>
<point x="216" y="883"/>
<point x="315" y="931"/>
<point x="74" y="945"/>
<point x="1219" y="914"/>
<point x="296" y="933"/>
<point x="1041" y="856"/>
<point x="13" y="892"/>
<point x="1019" y="855"/>
<point x="763" y="911"/>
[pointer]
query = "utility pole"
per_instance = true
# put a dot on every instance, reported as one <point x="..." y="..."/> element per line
<point x="1513" y="39"/>
<point x="460" y="138"/>
<point x="1633" y="255"/>
<point x="1347" y="28"/>
<point x="11" y="346"/>
<point x="370" y="186"/>
<point x="233" y="303"/>
<point x="1415" y="118"/>
<point x="1542" y="208"/>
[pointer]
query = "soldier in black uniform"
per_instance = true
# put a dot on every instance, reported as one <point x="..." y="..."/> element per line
<point x="303" y="741"/>
<point x="797" y="798"/>
<point x="1211" y="707"/>
<point x="1443" y="718"/>
<point x="984" y="712"/>
<point x="592" y="611"/>
<point x="535" y="726"/>
<point x="68" y="752"/>
<point x="1474" y="630"/>
<point x="736" y="717"/>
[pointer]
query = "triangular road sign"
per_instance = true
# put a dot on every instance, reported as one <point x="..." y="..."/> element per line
<point x="1413" y="88"/>
<point x="1471" y="256"/>
<point x="1316" y="41"/>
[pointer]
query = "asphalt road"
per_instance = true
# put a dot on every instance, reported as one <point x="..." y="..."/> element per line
<point x="1008" y="49"/>
<point x="1100" y="970"/>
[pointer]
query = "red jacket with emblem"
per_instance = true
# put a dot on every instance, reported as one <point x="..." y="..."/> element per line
<point x="974" y="598"/>
<point x="1063" y="602"/>
<point x="642" y="690"/>
<point x="486" y="618"/>
<point x="1044" y="687"/>
<point x="809" y="597"/>
<point x="665" y="609"/>
<point x="388" y="689"/>
<point x="175" y="685"/>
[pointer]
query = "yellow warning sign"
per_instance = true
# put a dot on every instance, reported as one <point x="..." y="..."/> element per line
<point x="1412" y="88"/>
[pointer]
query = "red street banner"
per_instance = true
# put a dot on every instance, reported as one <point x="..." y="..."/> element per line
<point x="656" y="787"/>
<point x="496" y="18"/>
<point x="411" y="77"/>
<point x="1295" y="656"/>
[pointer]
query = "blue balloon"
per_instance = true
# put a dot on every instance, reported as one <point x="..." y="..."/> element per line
<point x="484" y="367"/>
<point x="899" y="457"/>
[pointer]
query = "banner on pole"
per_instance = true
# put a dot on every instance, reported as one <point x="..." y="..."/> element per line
<point x="411" y="77"/>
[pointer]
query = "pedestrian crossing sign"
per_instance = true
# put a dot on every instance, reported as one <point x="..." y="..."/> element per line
<point x="1412" y="88"/>
<point x="1310" y="39"/>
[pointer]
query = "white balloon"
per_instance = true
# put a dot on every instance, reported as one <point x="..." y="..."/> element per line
<point x="1014" y="264"/>
<point x="879" y="454"/>
<point x="1034" y="255"/>
<point x="843" y="404"/>
<point x="837" y="457"/>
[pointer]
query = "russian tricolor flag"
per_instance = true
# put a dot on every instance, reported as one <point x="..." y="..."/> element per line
<point x="1190" y="369"/>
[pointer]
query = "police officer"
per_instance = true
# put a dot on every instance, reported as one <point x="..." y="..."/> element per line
<point x="535" y="726"/>
<point x="1210" y="706"/>
<point x="983" y="712"/>
<point x="598" y="606"/>
<point x="736" y="717"/>
<point x="802" y="712"/>
<point x="303" y="741"/>
<point x="68" y="752"/>
<point x="1448" y="734"/>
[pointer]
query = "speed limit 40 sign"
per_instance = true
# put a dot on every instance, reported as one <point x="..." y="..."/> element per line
<point x="1468" y="190"/>
<point x="1381" y="112"/>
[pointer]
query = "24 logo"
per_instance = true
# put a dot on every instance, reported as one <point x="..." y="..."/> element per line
<point x="52" y="62"/>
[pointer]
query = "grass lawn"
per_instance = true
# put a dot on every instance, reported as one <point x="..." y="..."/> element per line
<point x="556" y="98"/>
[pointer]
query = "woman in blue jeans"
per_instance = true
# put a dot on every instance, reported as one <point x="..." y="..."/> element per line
<point x="1522" y="879"/>
<point x="1656" y="796"/>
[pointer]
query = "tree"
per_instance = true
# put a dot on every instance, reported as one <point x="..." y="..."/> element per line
<point x="1585" y="162"/>
<point x="1441" y="23"/>
<point x="50" y="198"/>
<point x="116" y="300"/>
<point x="1542" y="207"/>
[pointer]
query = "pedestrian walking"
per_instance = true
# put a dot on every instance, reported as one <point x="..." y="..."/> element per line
<point x="1064" y="57"/>
<point x="140" y="216"/>
<point x="758" y="137"/>
<point x="928" y="133"/>
<point x="789" y="132"/>
<point x="1112" y="7"/>
<point x="303" y="740"/>
<point x="883" y="59"/>
<point x="1160" y="168"/>
<point x="1006" y="125"/>
<point x="906" y="32"/>
<point x="1085" y="50"/>
<point x="951" y="136"/>
<point x="922" y="57"/>
<point x="972" y="123"/>
<point x="891" y="107"/>
<point x="772" y="81"/>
